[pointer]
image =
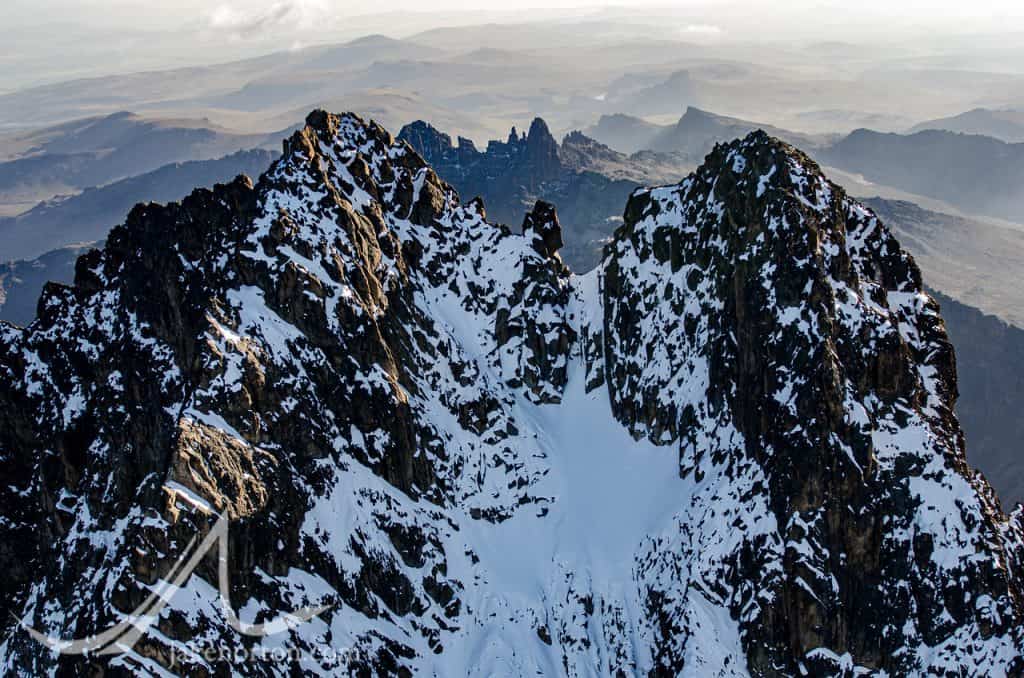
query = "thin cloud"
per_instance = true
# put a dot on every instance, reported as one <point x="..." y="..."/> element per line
<point x="706" y="29"/>
<point x="249" y="22"/>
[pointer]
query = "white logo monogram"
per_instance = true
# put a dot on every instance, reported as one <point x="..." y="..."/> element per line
<point x="123" y="636"/>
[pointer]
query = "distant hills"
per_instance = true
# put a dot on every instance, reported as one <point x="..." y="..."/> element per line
<point x="626" y="133"/>
<point x="698" y="131"/>
<point x="265" y="81"/>
<point x="978" y="174"/>
<point x="1006" y="125"/>
<point x="91" y="214"/>
<point x="96" y="151"/>
<point x="124" y="134"/>
<point x="481" y="78"/>
<point x="694" y="135"/>
<point x="651" y="95"/>
<point x="276" y="90"/>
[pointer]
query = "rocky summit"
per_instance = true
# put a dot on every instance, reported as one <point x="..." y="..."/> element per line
<point x="728" y="450"/>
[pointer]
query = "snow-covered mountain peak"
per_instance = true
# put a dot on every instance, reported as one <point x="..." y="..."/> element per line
<point x="729" y="449"/>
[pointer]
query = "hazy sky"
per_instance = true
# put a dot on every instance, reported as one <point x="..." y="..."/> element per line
<point x="51" y="40"/>
<point x="308" y="12"/>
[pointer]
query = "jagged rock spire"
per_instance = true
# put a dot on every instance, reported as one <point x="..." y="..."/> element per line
<point x="542" y="151"/>
<point x="431" y="143"/>
<point x="541" y="223"/>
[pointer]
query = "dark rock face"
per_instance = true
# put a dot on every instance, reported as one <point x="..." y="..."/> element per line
<point x="232" y="329"/>
<point x="383" y="391"/>
<point x="807" y="376"/>
<point x="542" y="225"/>
<point x="973" y="266"/>
<point x="541" y="153"/>
<point x="521" y="163"/>
<point x="432" y="144"/>
<point x="587" y="180"/>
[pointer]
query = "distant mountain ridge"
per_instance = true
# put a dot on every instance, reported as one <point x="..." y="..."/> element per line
<point x="652" y="95"/>
<point x="1006" y="125"/>
<point x="625" y="133"/>
<point x="698" y="131"/>
<point x="89" y="215"/>
<point x="976" y="173"/>
<point x="97" y="151"/>
<point x="694" y="135"/>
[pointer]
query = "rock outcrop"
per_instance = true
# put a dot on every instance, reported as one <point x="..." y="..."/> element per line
<point x="730" y="449"/>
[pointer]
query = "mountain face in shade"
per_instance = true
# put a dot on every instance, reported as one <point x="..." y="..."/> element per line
<point x="692" y="137"/>
<point x="971" y="265"/>
<point x="990" y="380"/>
<point x="587" y="180"/>
<point x="626" y="133"/>
<point x="728" y="450"/>
<point x="1007" y="125"/>
<point x="978" y="174"/>
<point x="522" y="162"/>
<point x="972" y="259"/>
